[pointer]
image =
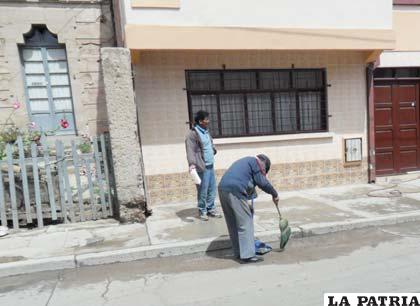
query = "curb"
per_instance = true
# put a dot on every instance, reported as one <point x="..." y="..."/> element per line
<point x="154" y="251"/>
<point x="321" y="229"/>
<point x="190" y="247"/>
<point x="37" y="265"/>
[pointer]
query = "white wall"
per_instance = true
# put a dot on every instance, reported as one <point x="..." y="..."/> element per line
<point x="354" y="14"/>
<point x="400" y="59"/>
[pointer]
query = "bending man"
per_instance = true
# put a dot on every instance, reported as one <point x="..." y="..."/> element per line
<point x="235" y="189"/>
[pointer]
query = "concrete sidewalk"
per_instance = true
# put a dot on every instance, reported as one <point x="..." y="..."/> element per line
<point x="175" y="229"/>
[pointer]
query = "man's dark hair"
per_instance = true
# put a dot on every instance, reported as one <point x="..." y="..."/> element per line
<point x="200" y="115"/>
<point x="264" y="158"/>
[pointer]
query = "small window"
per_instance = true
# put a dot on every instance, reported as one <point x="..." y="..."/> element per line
<point x="238" y="80"/>
<point x="47" y="81"/>
<point x="259" y="102"/>
<point x="397" y="73"/>
<point x="232" y="114"/>
<point x="407" y="72"/>
<point x="204" y="81"/>
<point x="259" y="113"/>
<point x="307" y="79"/>
<point x="383" y="73"/>
<point x="274" y="79"/>
<point x="285" y="112"/>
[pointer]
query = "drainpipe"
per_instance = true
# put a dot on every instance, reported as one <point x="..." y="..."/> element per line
<point x="147" y="210"/>
<point x="371" y="122"/>
<point x="116" y="23"/>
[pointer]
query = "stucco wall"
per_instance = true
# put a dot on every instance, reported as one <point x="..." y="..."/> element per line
<point x="84" y="27"/>
<point x="355" y="14"/>
<point x="162" y="101"/>
<point x="406" y="24"/>
<point x="407" y="29"/>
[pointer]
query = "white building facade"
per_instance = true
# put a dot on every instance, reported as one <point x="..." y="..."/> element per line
<point x="284" y="78"/>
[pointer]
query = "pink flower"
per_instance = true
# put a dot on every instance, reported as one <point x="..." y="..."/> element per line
<point x="31" y="125"/>
<point x="16" y="105"/>
<point x="64" y="123"/>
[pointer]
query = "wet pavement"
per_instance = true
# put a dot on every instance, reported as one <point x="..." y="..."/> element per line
<point x="179" y="223"/>
<point x="378" y="259"/>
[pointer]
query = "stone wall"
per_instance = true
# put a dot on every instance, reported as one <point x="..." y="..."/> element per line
<point x="84" y="26"/>
<point x="125" y="144"/>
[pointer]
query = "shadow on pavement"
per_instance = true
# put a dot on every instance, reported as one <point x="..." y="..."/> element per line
<point x="187" y="215"/>
<point x="221" y="248"/>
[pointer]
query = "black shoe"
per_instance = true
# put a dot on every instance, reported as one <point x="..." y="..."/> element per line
<point x="254" y="259"/>
<point x="214" y="214"/>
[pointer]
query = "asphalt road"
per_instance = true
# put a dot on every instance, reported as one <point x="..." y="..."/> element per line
<point x="384" y="259"/>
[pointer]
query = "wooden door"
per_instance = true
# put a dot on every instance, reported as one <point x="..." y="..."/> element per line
<point x="397" y="127"/>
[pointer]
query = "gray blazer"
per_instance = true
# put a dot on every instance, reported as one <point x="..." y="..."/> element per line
<point x="194" y="148"/>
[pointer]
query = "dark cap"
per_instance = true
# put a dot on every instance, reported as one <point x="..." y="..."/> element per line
<point x="264" y="158"/>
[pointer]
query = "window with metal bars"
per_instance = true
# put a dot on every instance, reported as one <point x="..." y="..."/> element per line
<point x="259" y="102"/>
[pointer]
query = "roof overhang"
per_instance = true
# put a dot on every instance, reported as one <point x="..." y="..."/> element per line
<point x="148" y="37"/>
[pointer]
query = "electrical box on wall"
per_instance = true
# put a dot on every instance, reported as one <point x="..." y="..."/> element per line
<point x="353" y="150"/>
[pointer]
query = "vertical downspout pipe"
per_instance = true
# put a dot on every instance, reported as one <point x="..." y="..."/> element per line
<point x="371" y="122"/>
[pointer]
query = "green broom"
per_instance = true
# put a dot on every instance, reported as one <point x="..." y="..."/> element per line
<point x="285" y="230"/>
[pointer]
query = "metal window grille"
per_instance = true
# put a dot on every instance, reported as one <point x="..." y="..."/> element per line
<point x="259" y="102"/>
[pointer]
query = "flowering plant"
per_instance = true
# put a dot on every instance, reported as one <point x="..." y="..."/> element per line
<point x="9" y="132"/>
<point x="85" y="145"/>
<point x="64" y="123"/>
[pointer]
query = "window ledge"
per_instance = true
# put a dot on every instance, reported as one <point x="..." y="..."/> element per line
<point x="272" y="138"/>
<point x="406" y="2"/>
<point x="169" y="4"/>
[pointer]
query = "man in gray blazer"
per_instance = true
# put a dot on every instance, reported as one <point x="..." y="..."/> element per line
<point x="200" y="156"/>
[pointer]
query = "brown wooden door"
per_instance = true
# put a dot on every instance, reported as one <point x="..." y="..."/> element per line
<point x="397" y="127"/>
